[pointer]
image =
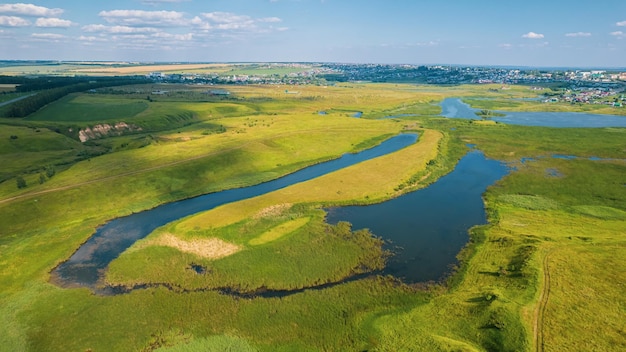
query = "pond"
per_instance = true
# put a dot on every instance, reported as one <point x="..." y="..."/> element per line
<point x="456" y="108"/>
<point x="88" y="264"/>
<point x="427" y="228"/>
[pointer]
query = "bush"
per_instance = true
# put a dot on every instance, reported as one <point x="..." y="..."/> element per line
<point x="21" y="182"/>
<point x="50" y="171"/>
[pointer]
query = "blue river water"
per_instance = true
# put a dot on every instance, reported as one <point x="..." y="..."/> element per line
<point x="88" y="264"/>
<point x="427" y="228"/>
<point x="456" y="108"/>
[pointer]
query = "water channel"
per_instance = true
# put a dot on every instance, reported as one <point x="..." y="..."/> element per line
<point x="88" y="264"/>
<point x="456" y="108"/>
<point x="427" y="228"/>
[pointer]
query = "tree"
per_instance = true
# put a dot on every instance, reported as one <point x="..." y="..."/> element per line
<point x="42" y="179"/>
<point x="50" y="171"/>
<point x="21" y="182"/>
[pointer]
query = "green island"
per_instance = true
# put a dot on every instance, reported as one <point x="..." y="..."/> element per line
<point x="547" y="273"/>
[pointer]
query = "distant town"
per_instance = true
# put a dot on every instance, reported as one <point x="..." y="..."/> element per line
<point x="437" y="74"/>
<point x="569" y="85"/>
<point x="593" y="86"/>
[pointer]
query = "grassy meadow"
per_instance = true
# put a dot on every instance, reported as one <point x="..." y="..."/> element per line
<point x="546" y="273"/>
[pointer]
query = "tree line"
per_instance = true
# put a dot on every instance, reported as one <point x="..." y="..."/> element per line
<point x="58" y="89"/>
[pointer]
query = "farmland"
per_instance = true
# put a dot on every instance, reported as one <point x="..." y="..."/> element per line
<point x="546" y="273"/>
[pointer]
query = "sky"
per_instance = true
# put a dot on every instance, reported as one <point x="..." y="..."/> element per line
<point x="541" y="33"/>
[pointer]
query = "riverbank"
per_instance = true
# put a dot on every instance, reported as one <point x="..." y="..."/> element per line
<point x="494" y="302"/>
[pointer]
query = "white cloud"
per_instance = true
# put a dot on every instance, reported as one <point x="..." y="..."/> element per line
<point x="270" y="20"/>
<point x="618" y="34"/>
<point x="140" y="17"/>
<point x="91" y="39"/>
<point x="13" y="21"/>
<point x="178" y="37"/>
<point x="428" y="43"/>
<point x="533" y="35"/>
<point x="52" y="22"/>
<point x="47" y="35"/>
<point x="29" y="10"/>
<point x="118" y="29"/>
<point x="621" y="24"/>
<point x="131" y="37"/>
<point x="578" y="34"/>
<point x="227" y="21"/>
<point x="506" y="46"/>
<point x="50" y="37"/>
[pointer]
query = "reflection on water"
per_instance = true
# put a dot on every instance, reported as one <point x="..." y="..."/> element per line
<point x="427" y="228"/>
<point x="455" y="108"/>
<point x="86" y="266"/>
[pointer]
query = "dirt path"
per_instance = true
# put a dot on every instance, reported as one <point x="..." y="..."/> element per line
<point x="543" y="303"/>
<point x="158" y="167"/>
<point x="16" y="99"/>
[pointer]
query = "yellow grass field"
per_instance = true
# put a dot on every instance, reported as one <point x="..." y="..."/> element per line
<point x="279" y="231"/>
<point x="127" y="70"/>
<point x="352" y="183"/>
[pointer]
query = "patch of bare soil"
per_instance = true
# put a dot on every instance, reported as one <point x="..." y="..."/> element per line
<point x="212" y="248"/>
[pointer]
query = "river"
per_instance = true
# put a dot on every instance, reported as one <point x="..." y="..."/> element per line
<point x="456" y="108"/>
<point x="86" y="267"/>
<point x="427" y="228"/>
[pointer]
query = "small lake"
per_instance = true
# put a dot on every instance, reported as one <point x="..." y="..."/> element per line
<point x="456" y="108"/>
<point x="427" y="228"/>
<point x="88" y="264"/>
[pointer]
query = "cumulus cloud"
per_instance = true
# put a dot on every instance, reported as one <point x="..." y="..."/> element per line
<point x="578" y="34"/>
<point x="118" y="29"/>
<point x="621" y="24"/>
<point x="91" y="38"/>
<point x="52" y="22"/>
<point x="533" y="35"/>
<point x="618" y="34"/>
<point x="156" y="30"/>
<point x="227" y="21"/>
<point x="29" y="10"/>
<point x="141" y="17"/>
<point x="13" y="21"/>
<point x="47" y="36"/>
<point x="177" y="37"/>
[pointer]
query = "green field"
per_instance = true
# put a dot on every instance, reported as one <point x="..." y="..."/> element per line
<point x="88" y="108"/>
<point x="546" y="274"/>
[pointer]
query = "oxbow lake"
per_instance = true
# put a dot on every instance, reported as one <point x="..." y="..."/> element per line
<point x="456" y="108"/>
<point x="87" y="265"/>
<point x="427" y="228"/>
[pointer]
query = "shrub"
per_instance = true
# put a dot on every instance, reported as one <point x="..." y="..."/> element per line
<point x="21" y="182"/>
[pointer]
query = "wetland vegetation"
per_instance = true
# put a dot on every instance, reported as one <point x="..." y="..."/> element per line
<point x="545" y="273"/>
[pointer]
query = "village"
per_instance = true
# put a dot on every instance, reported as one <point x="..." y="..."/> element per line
<point x="581" y="95"/>
<point x="588" y="81"/>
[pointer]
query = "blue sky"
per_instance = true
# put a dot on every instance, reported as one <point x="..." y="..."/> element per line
<point x="544" y="33"/>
